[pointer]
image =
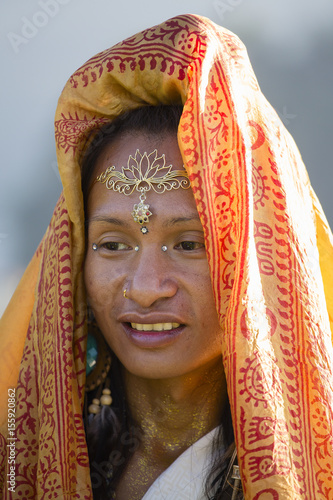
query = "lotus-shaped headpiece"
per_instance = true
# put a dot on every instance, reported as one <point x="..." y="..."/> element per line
<point x="143" y="173"/>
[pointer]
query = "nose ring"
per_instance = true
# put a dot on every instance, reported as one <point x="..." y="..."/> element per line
<point x="124" y="293"/>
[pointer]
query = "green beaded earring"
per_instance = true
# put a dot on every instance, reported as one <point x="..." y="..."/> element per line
<point x="98" y="363"/>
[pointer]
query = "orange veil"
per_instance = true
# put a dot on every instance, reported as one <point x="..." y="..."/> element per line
<point x="270" y="254"/>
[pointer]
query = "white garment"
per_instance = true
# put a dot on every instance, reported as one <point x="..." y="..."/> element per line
<point x="186" y="476"/>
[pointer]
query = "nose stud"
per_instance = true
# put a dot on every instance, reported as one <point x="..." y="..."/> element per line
<point x="164" y="248"/>
<point x="94" y="247"/>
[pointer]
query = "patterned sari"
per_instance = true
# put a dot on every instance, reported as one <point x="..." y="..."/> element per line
<point x="269" y="250"/>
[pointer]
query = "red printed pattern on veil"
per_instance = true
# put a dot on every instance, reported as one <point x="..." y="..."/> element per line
<point x="277" y="379"/>
<point x="49" y="425"/>
<point x="240" y="203"/>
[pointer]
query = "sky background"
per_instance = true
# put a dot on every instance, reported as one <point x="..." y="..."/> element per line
<point x="290" y="44"/>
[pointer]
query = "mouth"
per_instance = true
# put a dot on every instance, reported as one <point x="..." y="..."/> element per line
<point x="153" y="335"/>
<point x="156" y="327"/>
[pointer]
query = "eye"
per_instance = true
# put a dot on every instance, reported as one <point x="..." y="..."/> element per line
<point x="114" y="246"/>
<point x="189" y="245"/>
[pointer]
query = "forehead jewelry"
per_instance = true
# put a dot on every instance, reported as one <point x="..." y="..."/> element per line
<point x="143" y="173"/>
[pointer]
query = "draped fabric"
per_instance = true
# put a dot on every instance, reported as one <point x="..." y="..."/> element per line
<point x="270" y="255"/>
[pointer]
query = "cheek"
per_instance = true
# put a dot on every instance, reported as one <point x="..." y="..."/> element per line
<point x="90" y="277"/>
<point x="201" y="298"/>
<point x="205" y="303"/>
<point x="102" y="283"/>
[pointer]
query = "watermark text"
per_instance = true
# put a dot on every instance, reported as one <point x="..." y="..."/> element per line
<point x="11" y="477"/>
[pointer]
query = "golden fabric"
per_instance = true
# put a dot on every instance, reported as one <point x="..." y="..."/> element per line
<point x="270" y="255"/>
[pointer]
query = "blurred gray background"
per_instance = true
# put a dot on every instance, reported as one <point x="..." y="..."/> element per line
<point x="290" y="43"/>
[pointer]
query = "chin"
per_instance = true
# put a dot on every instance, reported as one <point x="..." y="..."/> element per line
<point x="158" y="365"/>
<point x="154" y="370"/>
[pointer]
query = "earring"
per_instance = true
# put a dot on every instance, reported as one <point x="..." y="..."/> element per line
<point x="104" y="400"/>
<point x="98" y="361"/>
<point x="164" y="248"/>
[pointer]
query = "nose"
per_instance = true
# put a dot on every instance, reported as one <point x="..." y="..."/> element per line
<point x="152" y="279"/>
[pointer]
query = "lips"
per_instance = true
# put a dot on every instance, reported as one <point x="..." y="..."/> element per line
<point x="153" y="335"/>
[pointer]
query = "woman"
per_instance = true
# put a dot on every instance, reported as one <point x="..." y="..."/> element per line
<point x="165" y="338"/>
<point x="268" y="250"/>
<point x="151" y="296"/>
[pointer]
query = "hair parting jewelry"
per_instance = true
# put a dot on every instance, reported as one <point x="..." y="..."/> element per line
<point x="143" y="173"/>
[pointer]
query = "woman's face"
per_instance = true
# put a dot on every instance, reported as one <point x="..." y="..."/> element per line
<point x="167" y="326"/>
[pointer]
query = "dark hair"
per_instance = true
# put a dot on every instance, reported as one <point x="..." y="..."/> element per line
<point x="113" y="430"/>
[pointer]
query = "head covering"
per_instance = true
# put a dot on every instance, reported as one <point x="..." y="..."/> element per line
<point x="269" y="250"/>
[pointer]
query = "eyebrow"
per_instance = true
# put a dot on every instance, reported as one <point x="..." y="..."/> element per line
<point x="194" y="217"/>
<point x="109" y="220"/>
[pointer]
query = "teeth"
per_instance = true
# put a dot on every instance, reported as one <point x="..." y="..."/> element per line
<point x="156" y="327"/>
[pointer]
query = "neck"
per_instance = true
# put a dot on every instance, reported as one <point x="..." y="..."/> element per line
<point x="174" y="413"/>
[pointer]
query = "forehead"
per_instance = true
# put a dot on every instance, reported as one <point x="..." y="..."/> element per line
<point x="117" y="153"/>
<point x="120" y="154"/>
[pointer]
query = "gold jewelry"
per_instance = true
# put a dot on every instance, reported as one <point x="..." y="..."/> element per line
<point x="143" y="173"/>
<point x="164" y="248"/>
<point x="124" y="293"/>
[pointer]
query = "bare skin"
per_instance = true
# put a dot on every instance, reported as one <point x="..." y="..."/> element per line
<point x="174" y="379"/>
<point x="171" y="421"/>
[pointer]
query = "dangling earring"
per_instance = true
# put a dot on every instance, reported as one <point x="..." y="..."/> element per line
<point x="105" y="400"/>
<point x="97" y="367"/>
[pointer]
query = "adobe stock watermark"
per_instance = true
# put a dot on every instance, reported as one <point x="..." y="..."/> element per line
<point x="31" y="27"/>
<point x="130" y="439"/>
<point x="11" y="478"/>
<point x="224" y="7"/>
<point x="285" y="117"/>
